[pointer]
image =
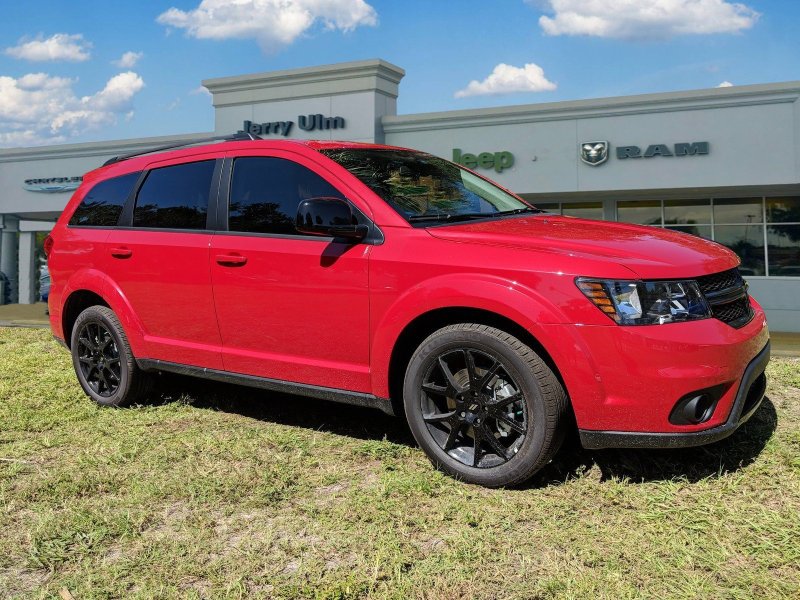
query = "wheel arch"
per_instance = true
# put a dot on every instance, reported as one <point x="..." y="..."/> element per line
<point x="93" y="288"/>
<point x="426" y="323"/>
<point x="76" y="303"/>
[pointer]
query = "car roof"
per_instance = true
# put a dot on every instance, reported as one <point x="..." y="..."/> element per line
<point x="132" y="163"/>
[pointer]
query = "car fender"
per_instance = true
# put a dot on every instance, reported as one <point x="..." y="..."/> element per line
<point x="507" y="298"/>
<point x="97" y="282"/>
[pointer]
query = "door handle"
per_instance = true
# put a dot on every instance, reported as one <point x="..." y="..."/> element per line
<point x="121" y="252"/>
<point x="231" y="260"/>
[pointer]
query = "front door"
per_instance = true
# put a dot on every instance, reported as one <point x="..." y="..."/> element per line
<point x="290" y="307"/>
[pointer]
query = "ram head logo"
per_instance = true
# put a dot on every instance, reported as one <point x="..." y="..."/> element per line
<point x="594" y="153"/>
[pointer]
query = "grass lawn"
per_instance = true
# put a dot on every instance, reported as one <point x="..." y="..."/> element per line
<point x="214" y="491"/>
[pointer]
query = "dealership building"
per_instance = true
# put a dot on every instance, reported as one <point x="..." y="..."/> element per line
<point x="721" y="163"/>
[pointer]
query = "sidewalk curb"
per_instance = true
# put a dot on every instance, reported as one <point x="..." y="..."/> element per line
<point x="23" y="324"/>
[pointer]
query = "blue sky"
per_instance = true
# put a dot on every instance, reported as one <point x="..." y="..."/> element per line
<point x="58" y="83"/>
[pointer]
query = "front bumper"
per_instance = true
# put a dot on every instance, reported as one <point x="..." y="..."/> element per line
<point x="748" y="398"/>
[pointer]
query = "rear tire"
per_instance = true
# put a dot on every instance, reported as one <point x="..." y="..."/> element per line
<point x="483" y="405"/>
<point x="103" y="360"/>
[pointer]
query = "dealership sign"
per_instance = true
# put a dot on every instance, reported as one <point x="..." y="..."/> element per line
<point x="596" y="153"/>
<point x="53" y="185"/>
<point x="284" y="128"/>
<point x="484" y="160"/>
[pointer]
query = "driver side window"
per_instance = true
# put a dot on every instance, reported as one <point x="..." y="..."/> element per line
<point x="265" y="194"/>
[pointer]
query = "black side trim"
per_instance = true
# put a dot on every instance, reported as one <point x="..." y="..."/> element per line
<point x="275" y="385"/>
<point x="743" y="408"/>
<point x="126" y="217"/>
<point x="213" y="196"/>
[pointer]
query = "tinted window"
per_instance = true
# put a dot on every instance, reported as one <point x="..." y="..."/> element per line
<point x="175" y="197"/>
<point x="583" y="210"/>
<point x="738" y="210"/>
<point x="265" y="193"/>
<point x="102" y="205"/>
<point x="641" y="213"/>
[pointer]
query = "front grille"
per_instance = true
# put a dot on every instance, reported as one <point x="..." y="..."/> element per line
<point x="726" y="293"/>
<point x="720" y="281"/>
<point x="736" y="313"/>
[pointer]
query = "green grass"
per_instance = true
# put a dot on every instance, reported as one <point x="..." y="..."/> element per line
<point x="225" y="492"/>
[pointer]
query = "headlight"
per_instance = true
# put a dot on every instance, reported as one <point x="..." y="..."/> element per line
<point x="646" y="302"/>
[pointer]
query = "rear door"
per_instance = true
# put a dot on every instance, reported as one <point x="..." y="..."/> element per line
<point x="159" y="259"/>
<point x="290" y="307"/>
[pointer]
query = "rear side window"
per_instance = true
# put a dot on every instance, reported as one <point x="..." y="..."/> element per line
<point x="175" y="197"/>
<point x="102" y="205"/>
<point x="265" y="194"/>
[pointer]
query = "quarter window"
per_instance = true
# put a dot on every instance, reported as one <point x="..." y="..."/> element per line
<point x="266" y="191"/>
<point x="102" y="205"/>
<point x="175" y="197"/>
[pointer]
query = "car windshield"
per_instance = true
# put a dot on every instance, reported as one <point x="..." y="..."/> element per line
<point x="424" y="188"/>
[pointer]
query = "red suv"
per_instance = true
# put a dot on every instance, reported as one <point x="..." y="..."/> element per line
<point x="391" y="278"/>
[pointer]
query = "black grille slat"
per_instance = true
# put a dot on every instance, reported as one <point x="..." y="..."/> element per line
<point x="720" y="281"/>
<point x="719" y="288"/>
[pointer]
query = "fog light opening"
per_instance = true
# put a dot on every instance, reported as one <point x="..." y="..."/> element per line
<point x="696" y="408"/>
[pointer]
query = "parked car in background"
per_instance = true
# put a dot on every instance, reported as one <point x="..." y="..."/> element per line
<point x="44" y="283"/>
<point x="391" y="278"/>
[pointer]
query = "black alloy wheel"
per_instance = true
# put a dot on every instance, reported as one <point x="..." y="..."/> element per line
<point x="103" y="360"/>
<point x="473" y="408"/>
<point x="99" y="359"/>
<point x="483" y="405"/>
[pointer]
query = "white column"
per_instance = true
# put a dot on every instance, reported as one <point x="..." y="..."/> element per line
<point x="27" y="267"/>
<point x="8" y="255"/>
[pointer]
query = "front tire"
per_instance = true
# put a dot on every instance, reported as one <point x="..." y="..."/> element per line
<point x="103" y="360"/>
<point x="483" y="405"/>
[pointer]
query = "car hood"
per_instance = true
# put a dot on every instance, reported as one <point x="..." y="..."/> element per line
<point x="650" y="252"/>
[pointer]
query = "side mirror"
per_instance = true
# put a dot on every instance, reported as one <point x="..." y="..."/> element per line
<point x="329" y="217"/>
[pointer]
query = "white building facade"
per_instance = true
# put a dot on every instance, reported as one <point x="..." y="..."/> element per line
<point x="720" y="163"/>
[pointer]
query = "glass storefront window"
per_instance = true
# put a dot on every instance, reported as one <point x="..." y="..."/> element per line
<point x="783" y="249"/>
<point x="741" y="224"/>
<point x="641" y="213"/>
<point x="783" y="210"/>
<point x="553" y="207"/>
<point x="584" y="210"/>
<point x="748" y="242"/>
<point x="687" y="212"/>
<point x="738" y="210"/>
<point x="703" y="231"/>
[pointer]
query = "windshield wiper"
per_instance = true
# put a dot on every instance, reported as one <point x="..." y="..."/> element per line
<point x="518" y="211"/>
<point x="450" y="217"/>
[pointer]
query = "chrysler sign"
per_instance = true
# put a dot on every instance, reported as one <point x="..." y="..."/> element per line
<point x="53" y="185"/>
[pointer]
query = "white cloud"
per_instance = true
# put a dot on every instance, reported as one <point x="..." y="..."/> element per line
<point x="646" y="19"/>
<point x="61" y="46"/>
<point x="38" y="108"/>
<point x="725" y="84"/>
<point x="507" y="79"/>
<point x="128" y="60"/>
<point x="272" y="23"/>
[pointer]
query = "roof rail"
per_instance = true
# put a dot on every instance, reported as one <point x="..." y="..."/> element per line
<point x="236" y="137"/>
